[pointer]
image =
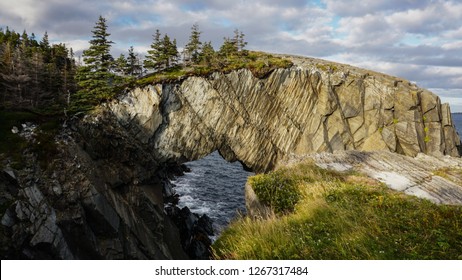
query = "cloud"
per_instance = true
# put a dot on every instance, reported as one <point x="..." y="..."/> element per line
<point x="433" y="18"/>
<point x="419" y="40"/>
<point x="353" y="8"/>
<point x="451" y="96"/>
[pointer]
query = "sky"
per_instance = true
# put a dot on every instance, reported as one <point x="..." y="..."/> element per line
<point x="419" y="40"/>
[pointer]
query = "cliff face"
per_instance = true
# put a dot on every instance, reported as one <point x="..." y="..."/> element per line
<point x="315" y="106"/>
<point x="86" y="204"/>
<point x="102" y="194"/>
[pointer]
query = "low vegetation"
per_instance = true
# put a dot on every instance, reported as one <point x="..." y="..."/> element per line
<point x="12" y="145"/>
<point x="452" y="174"/>
<point x="342" y="216"/>
<point x="259" y="63"/>
<point x="42" y="83"/>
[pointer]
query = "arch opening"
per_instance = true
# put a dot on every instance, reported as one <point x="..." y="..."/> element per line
<point x="214" y="187"/>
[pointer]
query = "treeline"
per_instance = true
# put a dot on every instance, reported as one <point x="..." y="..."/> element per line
<point x="164" y="54"/>
<point x="102" y="76"/>
<point x="34" y="74"/>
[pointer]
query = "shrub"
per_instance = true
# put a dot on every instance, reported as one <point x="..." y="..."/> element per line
<point x="277" y="191"/>
<point x="345" y="216"/>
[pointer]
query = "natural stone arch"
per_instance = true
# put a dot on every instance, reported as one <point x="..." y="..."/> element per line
<point x="293" y="111"/>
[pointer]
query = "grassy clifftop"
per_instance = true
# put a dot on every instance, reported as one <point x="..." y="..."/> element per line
<point x="260" y="63"/>
<point x="341" y="216"/>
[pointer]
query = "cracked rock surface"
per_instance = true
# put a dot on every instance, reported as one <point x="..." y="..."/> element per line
<point x="436" y="179"/>
<point x="102" y="194"/>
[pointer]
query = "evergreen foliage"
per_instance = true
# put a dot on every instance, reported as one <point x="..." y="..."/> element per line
<point x="40" y="75"/>
<point x="153" y="58"/>
<point x="208" y="54"/>
<point x="95" y="77"/>
<point x="163" y="53"/>
<point x="234" y="46"/>
<point x="194" y="46"/>
<point x="34" y="75"/>
<point x="134" y="67"/>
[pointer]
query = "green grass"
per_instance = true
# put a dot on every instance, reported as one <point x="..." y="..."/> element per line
<point x="168" y="75"/>
<point x="259" y="63"/>
<point x="277" y="191"/>
<point x="346" y="216"/>
<point x="327" y="67"/>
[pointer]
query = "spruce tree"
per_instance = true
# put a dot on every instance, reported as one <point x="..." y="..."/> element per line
<point x="95" y="78"/>
<point x="170" y="52"/>
<point x="228" y="48"/>
<point x="208" y="54"/>
<point x="163" y="53"/>
<point x="134" y="67"/>
<point x="193" y="48"/>
<point x="121" y="65"/>
<point x="33" y="74"/>
<point x="153" y="58"/>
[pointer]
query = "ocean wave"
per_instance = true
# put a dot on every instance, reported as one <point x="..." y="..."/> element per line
<point x="213" y="187"/>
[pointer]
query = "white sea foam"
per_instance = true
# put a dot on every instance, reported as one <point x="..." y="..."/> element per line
<point x="213" y="187"/>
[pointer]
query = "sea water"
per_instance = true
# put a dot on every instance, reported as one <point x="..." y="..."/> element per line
<point x="457" y="120"/>
<point x="216" y="187"/>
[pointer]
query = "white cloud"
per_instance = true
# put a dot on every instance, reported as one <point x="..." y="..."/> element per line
<point x="360" y="8"/>
<point x="26" y="10"/>
<point x="451" y="96"/>
<point x="436" y="17"/>
<point x="366" y="31"/>
<point x="419" y="40"/>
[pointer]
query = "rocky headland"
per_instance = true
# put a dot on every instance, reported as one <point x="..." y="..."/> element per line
<point x="103" y="194"/>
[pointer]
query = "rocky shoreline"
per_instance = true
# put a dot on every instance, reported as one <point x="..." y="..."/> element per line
<point x="195" y="230"/>
<point x="61" y="211"/>
<point x="102" y="191"/>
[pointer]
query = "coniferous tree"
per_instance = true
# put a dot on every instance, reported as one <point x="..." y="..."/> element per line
<point x="133" y="62"/>
<point x="241" y="43"/>
<point x="234" y="46"/>
<point x="163" y="53"/>
<point x="121" y="65"/>
<point x="228" y="48"/>
<point x="33" y="74"/>
<point x="153" y="58"/>
<point x="95" y="78"/>
<point x="193" y="48"/>
<point x="45" y="48"/>
<point x="208" y="54"/>
<point x="170" y="52"/>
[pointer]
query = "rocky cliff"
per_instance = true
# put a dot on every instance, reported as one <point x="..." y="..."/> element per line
<point x="315" y="106"/>
<point x="103" y="193"/>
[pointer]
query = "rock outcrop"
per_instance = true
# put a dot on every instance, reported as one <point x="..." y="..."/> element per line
<point x="437" y="179"/>
<point x="103" y="193"/>
<point x="315" y="106"/>
<point x="88" y="203"/>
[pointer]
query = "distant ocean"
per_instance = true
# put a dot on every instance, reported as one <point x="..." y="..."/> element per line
<point x="216" y="187"/>
<point x="457" y="119"/>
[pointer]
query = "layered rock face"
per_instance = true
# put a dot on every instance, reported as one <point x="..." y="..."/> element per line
<point x="86" y="204"/>
<point x="102" y="194"/>
<point x="313" y="107"/>
<point x="437" y="179"/>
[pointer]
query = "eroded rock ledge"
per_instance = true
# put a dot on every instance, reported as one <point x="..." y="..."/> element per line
<point x="102" y="194"/>
<point x="315" y="106"/>
<point x="436" y="179"/>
